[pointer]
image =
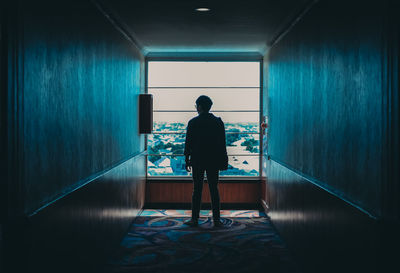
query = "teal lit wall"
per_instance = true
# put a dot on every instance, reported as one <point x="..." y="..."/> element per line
<point x="79" y="80"/>
<point x="331" y="84"/>
<point x="327" y="100"/>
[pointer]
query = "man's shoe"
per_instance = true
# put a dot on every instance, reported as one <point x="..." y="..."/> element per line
<point x="218" y="223"/>
<point x="192" y="223"/>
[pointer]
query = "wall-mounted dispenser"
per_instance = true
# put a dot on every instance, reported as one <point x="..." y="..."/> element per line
<point x="145" y="113"/>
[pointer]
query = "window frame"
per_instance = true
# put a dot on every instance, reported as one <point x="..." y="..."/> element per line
<point x="256" y="59"/>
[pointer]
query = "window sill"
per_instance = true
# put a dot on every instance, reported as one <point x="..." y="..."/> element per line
<point x="188" y="179"/>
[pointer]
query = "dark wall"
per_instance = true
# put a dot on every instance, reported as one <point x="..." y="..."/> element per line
<point x="78" y="168"/>
<point x="87" y="225"/>
<point x="3" y="168"/>
<point x="3" y="113"/>
<point x="327" y="101"/>
<point x="323" y="233"/>
<point x="80" y="83"/>
<point x="332" y="89"/>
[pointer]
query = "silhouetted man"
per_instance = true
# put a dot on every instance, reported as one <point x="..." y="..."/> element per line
<point x="205" y="151"/>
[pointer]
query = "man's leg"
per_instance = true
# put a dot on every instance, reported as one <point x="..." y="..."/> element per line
<point x="212" y="178"/>
<point x="198" y="179"/>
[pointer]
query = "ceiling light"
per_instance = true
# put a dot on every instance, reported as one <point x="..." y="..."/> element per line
<point x="202" y="9"/>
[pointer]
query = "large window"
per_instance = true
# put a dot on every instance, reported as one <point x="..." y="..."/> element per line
<point x="234" y="88"/>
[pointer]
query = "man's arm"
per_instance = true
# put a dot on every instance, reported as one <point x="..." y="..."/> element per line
<point x="188" y="147"/>
<point x="224" y="154"/>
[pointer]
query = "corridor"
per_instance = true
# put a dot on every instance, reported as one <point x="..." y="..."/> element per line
<point x="159" y="241"/>
<point x="96" y="97"/>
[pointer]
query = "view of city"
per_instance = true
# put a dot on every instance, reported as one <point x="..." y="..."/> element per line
<point x="233" y="87"/>
<point x="166" y="146"/>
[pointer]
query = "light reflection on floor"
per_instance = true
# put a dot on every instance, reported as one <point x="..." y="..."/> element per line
<point x="203" y="213"/>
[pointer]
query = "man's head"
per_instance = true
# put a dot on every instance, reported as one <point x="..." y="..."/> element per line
<point x="203" y="104"/>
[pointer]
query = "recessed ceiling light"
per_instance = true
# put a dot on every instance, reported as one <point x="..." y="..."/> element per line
<point x="202" y="9"/>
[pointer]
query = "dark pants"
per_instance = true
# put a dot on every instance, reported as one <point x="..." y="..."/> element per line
<point x="198" y="180"/>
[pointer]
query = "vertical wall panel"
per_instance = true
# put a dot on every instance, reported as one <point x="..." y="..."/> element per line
<point x="326" y="99"/>
<point x="3" y="113"/>
<point x="80" y="85"/>
<point x="332" y="94"/>
<point x="73" y="109"/>
<point x="88" y="224"/>
<point x="324" y="233"/>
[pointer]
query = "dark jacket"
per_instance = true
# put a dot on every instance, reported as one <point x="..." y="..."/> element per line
<point x="205" y="142"/>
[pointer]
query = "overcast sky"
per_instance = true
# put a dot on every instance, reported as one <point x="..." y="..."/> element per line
<point x="205" y="74"/>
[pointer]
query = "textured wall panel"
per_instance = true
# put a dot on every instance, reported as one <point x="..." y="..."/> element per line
<point x="74" y="118"/>
<point x="331" y="84"/>
<point x="327" y="101"/>
<point x="87" y="226"/>
<point x="80" y="84"/>
<point x="324" y="233"/>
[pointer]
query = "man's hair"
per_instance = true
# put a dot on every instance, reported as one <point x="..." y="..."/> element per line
<point x="205" y="102"/>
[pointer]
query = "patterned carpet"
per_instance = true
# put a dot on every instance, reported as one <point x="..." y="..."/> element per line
<point x="158" y="241"/>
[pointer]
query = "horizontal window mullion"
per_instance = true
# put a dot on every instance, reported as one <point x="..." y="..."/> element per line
<point x="182" y="133"/>
<point x="166" y="154"/>
<point x="249" y="154"/>
<point x="168" y="133"/>
<point x="203" y="87"/>
<point x="216" y="111"/>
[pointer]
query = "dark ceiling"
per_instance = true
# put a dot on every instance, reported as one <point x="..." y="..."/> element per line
<point x="229" y="26"/>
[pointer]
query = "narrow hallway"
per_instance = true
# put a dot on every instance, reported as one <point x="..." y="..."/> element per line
<point x="159" y="241"/>
<point x="89" y="138"/>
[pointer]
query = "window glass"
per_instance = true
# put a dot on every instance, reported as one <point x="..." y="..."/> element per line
<point x="177" y="121"/>
<point x="242" y="166"/>
<point x="166" y="144"/>
<point x="159" y="165"/>
<point x="239" y="144"/>
<point x="225" y="99"/>
<point x="174" y="144"/>
<point x="234" y="88"/>
<point x="171" y="165"/>
<point x="203" y="74"/>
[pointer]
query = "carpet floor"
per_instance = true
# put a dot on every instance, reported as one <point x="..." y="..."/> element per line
<point x="159" y="241"/>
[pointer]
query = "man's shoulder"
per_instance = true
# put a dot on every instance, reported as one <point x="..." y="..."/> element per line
<point x="215" y="121"/>
<point x="192" y="120"/>
<point x="218" y="120"/>
<point x="205" y="118"/>
<point x="214" y="118"/>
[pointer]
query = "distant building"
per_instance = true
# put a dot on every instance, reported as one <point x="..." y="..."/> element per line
<point x="175" y="165"/>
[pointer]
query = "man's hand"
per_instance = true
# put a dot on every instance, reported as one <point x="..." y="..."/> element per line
<point x="188" y="167"/>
